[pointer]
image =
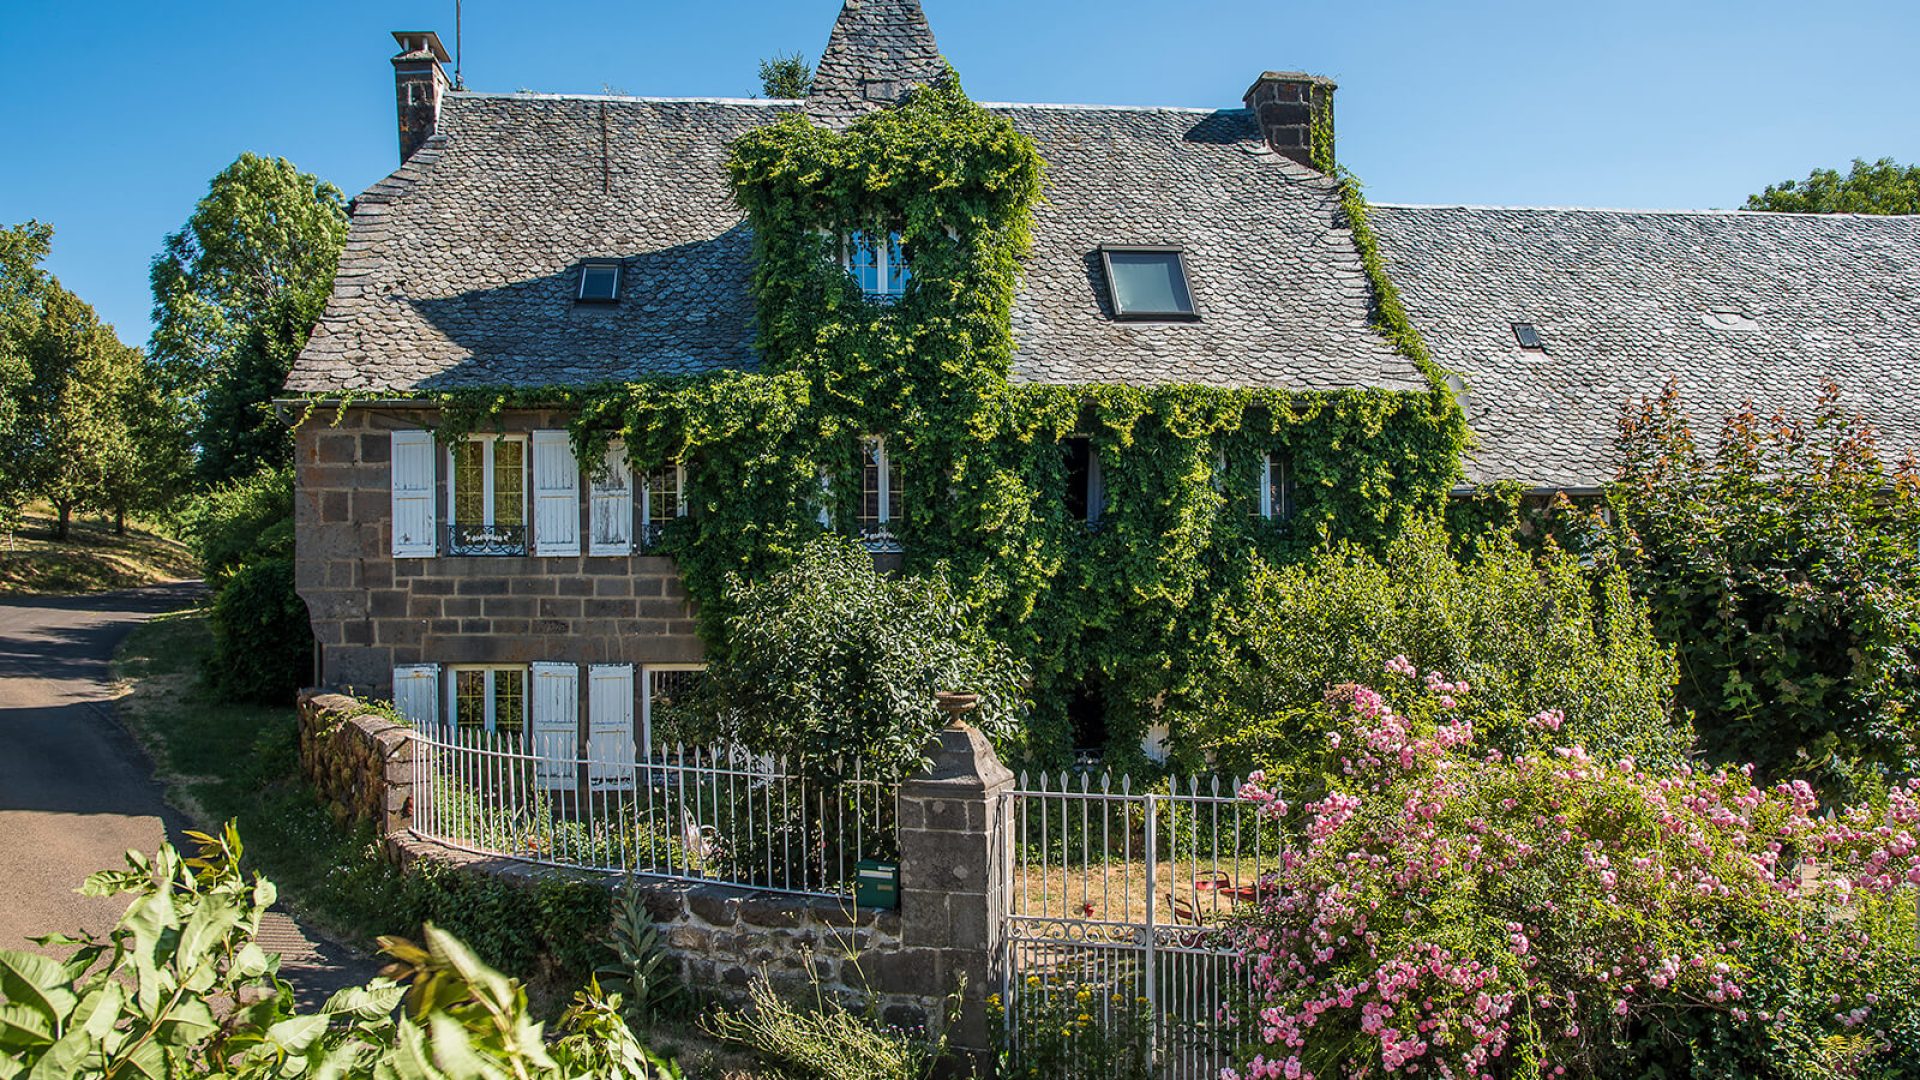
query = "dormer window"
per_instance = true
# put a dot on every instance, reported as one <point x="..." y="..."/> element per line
<point x="1086" y="493"/>
<point x="879" y="269"/>
<point x="1276" y="488"/>
<point x="1148" y="283"/>
<point x="599" y="282"/>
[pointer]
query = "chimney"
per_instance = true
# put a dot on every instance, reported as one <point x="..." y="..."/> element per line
<point x="1285" y="103"/>
<point x="418" y="83"/>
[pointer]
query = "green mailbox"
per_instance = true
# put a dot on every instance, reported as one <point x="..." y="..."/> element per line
<point x="876" y="884"/>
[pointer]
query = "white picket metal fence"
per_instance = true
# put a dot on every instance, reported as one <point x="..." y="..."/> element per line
<point x="1123" y="893"/>
<point x="695" y="813"/>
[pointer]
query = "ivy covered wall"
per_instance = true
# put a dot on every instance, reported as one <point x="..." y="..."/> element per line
<point x="1118" y="616"/>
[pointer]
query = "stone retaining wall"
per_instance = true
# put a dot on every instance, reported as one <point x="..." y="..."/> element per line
<point x="361" y="765"/>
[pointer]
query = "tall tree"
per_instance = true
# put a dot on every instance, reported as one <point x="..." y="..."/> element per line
<point x="235" y="294"/>
<point x="73" y="433"/>
<point x="22" y="291"/>
<point x="786" y="76"/>
<point x="1880" y="188"/>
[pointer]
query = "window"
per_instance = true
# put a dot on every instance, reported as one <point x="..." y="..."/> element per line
<point x="486" y="493"/>
<point x="599" y="282"/>
<point x="1276" y="488"/>
<point x="1086" y="493"/>
<point x="1528" y="336"/>
<point x="489" y="699"/>
<point x="879" y="496"/>
<point x="879" y="269"/>
<point x="661" y="501"/>
<point x="664" y="690"/>
<point x="1148" y="283"/>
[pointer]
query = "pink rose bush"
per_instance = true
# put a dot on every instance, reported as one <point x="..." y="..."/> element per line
<point x="1452" y="911"/>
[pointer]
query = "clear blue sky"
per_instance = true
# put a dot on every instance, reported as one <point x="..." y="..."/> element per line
<point x="114" y="115"/>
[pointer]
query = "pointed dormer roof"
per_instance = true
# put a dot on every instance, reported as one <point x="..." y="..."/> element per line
<point x="880" y="49"/>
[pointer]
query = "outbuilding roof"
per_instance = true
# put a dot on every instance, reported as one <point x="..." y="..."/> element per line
<point x="1734" y="305"/>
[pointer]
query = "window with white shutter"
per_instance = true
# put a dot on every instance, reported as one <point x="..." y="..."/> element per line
<point x="556" y="495"/>
<point x="414" y="528"/>
<point x="612" y="510"/>
<point x="661" y="500"/>
<point x="486" y="496"/>
<point x="556" y="725"/>
<point x="416" y="695"/>
<point x="610" y="742"/>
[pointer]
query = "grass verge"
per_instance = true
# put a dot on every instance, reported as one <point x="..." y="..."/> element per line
<point x="220" y="760"/>
<point x="92" y="559"/>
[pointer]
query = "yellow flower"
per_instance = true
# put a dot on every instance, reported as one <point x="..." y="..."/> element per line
<point x="1083" y="997"/>
<point x="1085" y="1019"/>
<point x="1033" y="980"/>
<point x="1066" y="1033"/>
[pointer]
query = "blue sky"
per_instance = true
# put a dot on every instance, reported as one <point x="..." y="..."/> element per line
<point x="113" y="116"/>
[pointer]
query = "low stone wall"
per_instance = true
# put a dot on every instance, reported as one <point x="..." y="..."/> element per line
<point x="361" y="765"/>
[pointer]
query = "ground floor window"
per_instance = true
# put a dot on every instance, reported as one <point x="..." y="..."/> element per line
<point x="879" y="496"/>
<point x="489" y="699"/>
<point x="664" y="690"/>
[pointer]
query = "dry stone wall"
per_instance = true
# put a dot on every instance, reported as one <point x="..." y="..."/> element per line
<point x="361" y="765"/>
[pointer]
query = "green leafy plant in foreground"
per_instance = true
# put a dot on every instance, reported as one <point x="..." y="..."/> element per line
<point x="181" y="988"/>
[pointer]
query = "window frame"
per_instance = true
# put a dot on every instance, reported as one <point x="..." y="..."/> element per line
<point x="451" y="677"/>
<point x="875" y="533"/>
<point x="1094" y="489"/>
<point x="1107" y="251"/>
<point x="489" y="494"/>
<point x="883" y="256"/>
<point x="1523" y="331"/>
<point x="650" y="530"/>
<point x="1264" y="507"/>
<point x="586" y="267"/>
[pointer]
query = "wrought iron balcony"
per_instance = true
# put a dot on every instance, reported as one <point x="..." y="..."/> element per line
<point x="494" y="540"/>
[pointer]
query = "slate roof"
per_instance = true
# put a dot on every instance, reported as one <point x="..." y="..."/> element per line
<point x="461" y="267"/>
<point x="1735" y="305"/>
<point x="879" y="49"/>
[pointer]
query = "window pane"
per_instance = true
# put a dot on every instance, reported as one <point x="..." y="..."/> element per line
<point x="870" y="486"/>
<point x="664" y="502"/>
<point x="897" y="272"/>
<point x="1149" y="283"/>
<point x="509" y="701"/>
<point x="1079" y="460"/>
<point x="893" y="489"/>
<point x="599" y="282"/>
<point x="469" y="479"/>
<point x="863" y="262"/>
<point x="509" y="482"/>
<point x="668" y="713"/>
<point x="470" y="700"/>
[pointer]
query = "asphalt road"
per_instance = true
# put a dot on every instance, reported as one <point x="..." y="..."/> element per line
<point x="76" y="792"/>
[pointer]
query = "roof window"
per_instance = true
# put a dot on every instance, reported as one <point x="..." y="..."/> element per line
<point x="1148" y="283"/>
<point x="599" y="282"/>
<point x="1528" y="336"/>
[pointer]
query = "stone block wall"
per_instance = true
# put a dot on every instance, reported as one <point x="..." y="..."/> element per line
<point x="360" y="765"/>
<point x="372" y="612"/>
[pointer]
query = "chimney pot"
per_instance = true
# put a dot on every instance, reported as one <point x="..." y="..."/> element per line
<point x="419" y="84"/>
<point x="1284" y="102"/>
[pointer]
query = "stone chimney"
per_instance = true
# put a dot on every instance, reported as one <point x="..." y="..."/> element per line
<point x="880" y="50"/>
<point x="1285" y="103"/>
<point x="419" y="82"/>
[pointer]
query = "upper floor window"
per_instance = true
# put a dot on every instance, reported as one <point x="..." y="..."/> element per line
<point x="487" y="496"/>
<point x="489" y="699"/>
<point x="661" y="500"/>
<point x="599" y="282"/>
<point x="1086" y="493"/>
<point x="880" y="269"/>
<point x="879" y="496"/>
<point x="1276" y="488"/>
<point x="1148" y="283"/>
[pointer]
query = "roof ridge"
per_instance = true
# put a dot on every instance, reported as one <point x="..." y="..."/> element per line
<point x="540" y="95"/>
<point x="1643" y="211"/>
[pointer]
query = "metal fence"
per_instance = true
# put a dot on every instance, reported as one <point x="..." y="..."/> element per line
<point x="1118" y="902"/>
<point x="707" y="813"/>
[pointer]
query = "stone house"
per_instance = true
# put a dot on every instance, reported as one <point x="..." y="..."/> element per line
<point x="530" y="239"/>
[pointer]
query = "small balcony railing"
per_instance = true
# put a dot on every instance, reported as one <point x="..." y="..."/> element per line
<point x="484" y="540"/>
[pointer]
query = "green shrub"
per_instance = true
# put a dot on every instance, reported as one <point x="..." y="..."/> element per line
<point x="1781" y="563"/>
<point x="826" y="1042"/>
<point x="242" y="521"/>
<point x="262" y="639"/>
<point x="833" y="662"/>
<point x="552" y="930"/>
<point x="1526" y="632"/>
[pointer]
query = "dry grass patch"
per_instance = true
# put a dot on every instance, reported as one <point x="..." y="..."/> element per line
<point x="92" y="559"/>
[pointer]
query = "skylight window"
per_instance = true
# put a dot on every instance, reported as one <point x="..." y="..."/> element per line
<point x="599" y="282"/>
<point x="1148" y="283"/>
<point x="1528" y="336"/>
<point x="880" y="269"/>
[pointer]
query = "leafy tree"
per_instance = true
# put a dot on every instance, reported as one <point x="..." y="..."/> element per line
<point x="73" y="433"/>
<point x="786" y="76"/>
<point x="1781" y="565"/>
<point x="835" y="662"/>
<point x="1880" y="188"/>
<point x="22" y="291"/>
<point x="1525" y="632"/>
<point x="234" y="293"/>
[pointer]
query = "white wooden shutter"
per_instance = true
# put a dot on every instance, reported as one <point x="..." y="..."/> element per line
<point x="556" y="725"/>
<point x="556" y="495"/>
<point x="610" y="744"/>
<point x="414" y="526"/>
<point x="612" y="514"/>
<point x="416" y="695"/>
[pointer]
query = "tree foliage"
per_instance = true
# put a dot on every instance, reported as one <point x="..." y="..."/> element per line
<point x="1781" y="565"/>
<point x="235" y="293"/>
<point x="23" y="286"/>
<point x="786" y="76"/>
<point x="1882" y="187"/>
<point x="1525" y="632"/>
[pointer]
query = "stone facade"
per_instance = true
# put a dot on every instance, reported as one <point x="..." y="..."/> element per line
<point x="360" y="765"/>
<point x="372" y="611"/>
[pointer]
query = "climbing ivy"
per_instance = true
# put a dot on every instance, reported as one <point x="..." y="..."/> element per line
<point x="1121" y="610"/>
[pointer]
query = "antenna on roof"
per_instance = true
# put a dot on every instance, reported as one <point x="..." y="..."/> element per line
<point x="458" y="82"/>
